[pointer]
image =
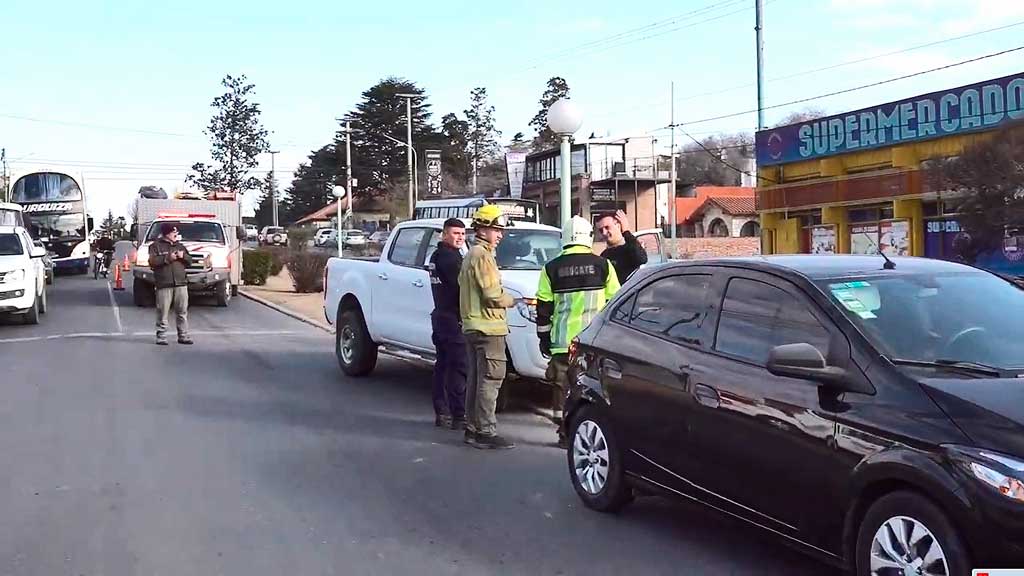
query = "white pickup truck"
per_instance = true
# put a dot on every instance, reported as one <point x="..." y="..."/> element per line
<point x="386" y="302"/>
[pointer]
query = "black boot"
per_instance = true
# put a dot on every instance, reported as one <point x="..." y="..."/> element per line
<point x="493" y="442"/>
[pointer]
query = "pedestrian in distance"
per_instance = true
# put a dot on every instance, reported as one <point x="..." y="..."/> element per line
<point x="170" y="260"/>
<point x="574" y="287"/>
<point x="450" y="344"/>
<point x="482" y="304"/>
<point x="624" y="251"/>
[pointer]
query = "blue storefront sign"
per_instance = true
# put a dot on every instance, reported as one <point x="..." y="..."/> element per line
<point x="976" y="107"/>
<point x="940" y="239"/>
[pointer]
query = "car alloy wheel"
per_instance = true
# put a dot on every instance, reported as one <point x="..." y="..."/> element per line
<point x="903" y="545"/>
<point x="348" y="338"/>
<point x="590" y="457"/>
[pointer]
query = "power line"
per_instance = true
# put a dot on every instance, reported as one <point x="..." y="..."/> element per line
<point x="857" y="88"/>
<point x="823" y="68"/>
<point x="642" y="29"/>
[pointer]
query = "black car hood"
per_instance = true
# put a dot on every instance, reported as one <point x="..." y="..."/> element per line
<point x="989" y="410"/>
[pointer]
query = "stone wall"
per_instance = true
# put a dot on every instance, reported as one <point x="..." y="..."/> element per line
<point x="695" y="248"/>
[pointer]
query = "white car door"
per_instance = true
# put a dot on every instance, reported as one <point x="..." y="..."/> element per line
<point x="35" y="266"/>
<point x="402" y="301"/>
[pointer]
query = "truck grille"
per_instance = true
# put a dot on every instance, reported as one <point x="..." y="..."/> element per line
<point x="200" y="263"/>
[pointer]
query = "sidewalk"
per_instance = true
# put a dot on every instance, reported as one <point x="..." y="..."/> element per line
<point x="280" y="293"/>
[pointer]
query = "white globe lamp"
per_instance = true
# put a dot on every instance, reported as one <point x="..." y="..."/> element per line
<point x="564" y="119"/>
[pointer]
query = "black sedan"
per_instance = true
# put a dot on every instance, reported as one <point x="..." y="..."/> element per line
<point x="871" y="416"/>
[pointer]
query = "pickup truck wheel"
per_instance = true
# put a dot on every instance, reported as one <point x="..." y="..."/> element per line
<point x="356" y="351"/>
<point x="223" y="294"/>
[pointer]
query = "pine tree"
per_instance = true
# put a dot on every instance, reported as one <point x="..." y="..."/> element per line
<point x="237" y="139"/>
<point x="557" y="89"/>
<point x="482" y="136"/>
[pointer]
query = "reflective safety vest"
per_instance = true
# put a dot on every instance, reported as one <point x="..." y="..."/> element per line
<point x="573" y="288"/>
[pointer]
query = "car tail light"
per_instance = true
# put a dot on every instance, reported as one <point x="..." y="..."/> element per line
<point x="574" y="348"/>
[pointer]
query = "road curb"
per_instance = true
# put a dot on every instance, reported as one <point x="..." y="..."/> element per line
<point x="286" y="311"/>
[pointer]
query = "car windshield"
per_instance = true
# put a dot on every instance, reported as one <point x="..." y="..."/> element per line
<point x="10" y="245"/>
<point x="968" y="316"/>
<point x="522" y="249"/>
<point x="191" y="231"/>
<point x="57" y="227"/>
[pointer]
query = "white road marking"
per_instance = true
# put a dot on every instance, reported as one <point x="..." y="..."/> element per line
<point x="117" y="311"/>
<point x="137" y="334"/>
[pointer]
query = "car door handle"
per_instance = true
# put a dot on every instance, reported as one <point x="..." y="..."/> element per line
<point x="611" y="369"/>
<point x="382" y="276"/>
<point x="417" y="283"/>
<point x="707" y="396"/>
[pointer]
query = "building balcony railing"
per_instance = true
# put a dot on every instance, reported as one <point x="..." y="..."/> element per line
<point x="633" y="168"/>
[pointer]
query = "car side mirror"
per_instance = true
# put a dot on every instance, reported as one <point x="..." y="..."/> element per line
<point x="37" y="252"/>
<point x="805" y="362"/>
<point x="240" y="233"/>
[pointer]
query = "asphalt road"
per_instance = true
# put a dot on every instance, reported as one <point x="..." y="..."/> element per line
<point x="249" y="453"/>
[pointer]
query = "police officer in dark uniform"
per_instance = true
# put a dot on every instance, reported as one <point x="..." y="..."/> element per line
<point x="451" y="365"/>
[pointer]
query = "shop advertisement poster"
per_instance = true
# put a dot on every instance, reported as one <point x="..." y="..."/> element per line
<point x="895" y="237"/>
<point x="823" y="240"/>
<point x="864" y="239"/>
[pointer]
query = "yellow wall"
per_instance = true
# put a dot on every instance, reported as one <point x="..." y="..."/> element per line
<point x="837" y="215"/>
<point x="912" y="210"/>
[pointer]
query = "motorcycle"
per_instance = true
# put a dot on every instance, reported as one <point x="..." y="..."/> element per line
<point x="101" y="263"/>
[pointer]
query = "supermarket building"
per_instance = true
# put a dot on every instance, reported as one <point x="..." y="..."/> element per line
<point x="854" y="182"/>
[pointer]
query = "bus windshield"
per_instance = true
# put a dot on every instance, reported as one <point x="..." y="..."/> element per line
<point x="46" y="187"/>
<point x="57" y="227"/>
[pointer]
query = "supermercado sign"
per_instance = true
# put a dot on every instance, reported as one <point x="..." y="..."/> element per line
<point x="981" y="106"/>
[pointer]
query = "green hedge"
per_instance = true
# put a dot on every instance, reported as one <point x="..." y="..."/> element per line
<point x="256" y="267"/>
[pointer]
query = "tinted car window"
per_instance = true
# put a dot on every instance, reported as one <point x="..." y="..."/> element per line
<point x="673" y="307"/>
<point x="757" y="317"/>
<point x="10" y="245"/>
<point x="406" y="246"/>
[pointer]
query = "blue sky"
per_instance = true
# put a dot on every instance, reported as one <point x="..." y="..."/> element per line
<point x="80" y="76"/>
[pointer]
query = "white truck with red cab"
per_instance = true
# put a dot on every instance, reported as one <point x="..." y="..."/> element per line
<point x="211" y="231"/>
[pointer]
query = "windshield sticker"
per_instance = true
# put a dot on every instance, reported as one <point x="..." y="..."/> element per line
<point x="847" y="297"/>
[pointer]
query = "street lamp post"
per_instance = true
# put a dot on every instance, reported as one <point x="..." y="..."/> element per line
<point x="410" y="156"/>
<point x="415" y="164"/>
<point x="340" y="192"/>
<point x="565" y="119"/>
<point x="273" y="181"/>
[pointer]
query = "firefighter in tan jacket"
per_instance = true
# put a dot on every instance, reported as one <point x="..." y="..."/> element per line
<point x="482" y="304"/>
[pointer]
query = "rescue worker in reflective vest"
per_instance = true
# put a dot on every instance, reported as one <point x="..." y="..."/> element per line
<point x="482" y="304"/>
<point x="573" y="288"/>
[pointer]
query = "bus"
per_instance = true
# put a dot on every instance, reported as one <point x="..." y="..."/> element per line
<point x="516" y="209"/>
<point x="54" y="209"/>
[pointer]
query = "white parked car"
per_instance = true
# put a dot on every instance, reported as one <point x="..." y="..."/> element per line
<point x="354" y="238"/>
<point x="22" y="275"/>
<point x="252" y="233"/>
<point x="273" y="236"/>
<point x="325" y="236"/>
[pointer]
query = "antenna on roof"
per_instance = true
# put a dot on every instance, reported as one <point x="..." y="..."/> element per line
<point x="889" y="264"/>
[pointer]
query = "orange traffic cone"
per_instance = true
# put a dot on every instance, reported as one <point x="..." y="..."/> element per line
<point x="118" y="281"/>
<point x="127" y="263"/>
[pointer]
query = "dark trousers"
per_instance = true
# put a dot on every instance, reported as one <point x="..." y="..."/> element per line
<point x="451" y="366"/>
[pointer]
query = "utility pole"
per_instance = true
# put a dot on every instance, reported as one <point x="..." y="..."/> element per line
<point x="348" y="178"/>
<point x="273" y="184"/>
<point x="408" y="154"/>
<point x="672" y="187"/>
<point x="759" y="29"/>
<point x="3" y="160"/>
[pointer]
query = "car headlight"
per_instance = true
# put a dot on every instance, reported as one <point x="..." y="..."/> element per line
<point x="142" y="257"/>
<point x="527" y="307"/>
<point x="1001" y="473"/>
<point x="15" y="275"/>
